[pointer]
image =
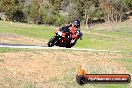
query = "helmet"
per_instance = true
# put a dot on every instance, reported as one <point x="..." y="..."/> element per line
<point x="76" y="23"/>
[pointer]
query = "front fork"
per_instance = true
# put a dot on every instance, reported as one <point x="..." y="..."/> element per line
<point x="57" y="38"/>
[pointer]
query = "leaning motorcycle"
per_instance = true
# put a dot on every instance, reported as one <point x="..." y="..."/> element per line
<point x="62" y="38"/>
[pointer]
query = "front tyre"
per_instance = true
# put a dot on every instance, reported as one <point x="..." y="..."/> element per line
<point x="51" y="42"/>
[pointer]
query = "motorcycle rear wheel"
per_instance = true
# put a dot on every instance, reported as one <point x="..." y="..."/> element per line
<point x="68" y="45"/>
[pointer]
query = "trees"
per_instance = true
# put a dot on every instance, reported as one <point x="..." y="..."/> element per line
<point x="90" y="10"/>
<point x="32" y="10"/>
<point x="43" y="12"/>
<point x="8" y="7"/>
<point x="12" y="10"/>
<point x="128" y="3"/>
<point x="57" y="12"/>
<point x="113" y="10"/>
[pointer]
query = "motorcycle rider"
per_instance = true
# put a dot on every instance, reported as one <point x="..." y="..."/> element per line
<point x="75" y="30"/>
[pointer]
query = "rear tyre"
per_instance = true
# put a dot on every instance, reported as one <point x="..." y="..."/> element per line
<point x="51" y="42"/>
<point x="68" y="45"/>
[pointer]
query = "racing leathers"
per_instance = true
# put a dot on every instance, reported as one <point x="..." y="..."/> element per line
<point x="75" y="33"/>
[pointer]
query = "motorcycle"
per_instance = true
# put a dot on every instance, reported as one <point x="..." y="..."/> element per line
<point x="62" y="39"/>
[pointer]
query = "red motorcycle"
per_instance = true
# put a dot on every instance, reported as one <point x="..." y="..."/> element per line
<point x="62" y="38"/>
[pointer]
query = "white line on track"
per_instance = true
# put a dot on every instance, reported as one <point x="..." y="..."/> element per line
<point x="53" y="48"/>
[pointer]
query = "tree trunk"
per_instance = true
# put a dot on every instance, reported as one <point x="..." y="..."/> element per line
<point x="116" y="18"/>
<point x="120" y="19"/>
<point x="87" y="22"/>
<point x="108" y="16"/>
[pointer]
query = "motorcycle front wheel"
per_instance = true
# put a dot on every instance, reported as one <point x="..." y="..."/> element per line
<point x="51" y="42"/>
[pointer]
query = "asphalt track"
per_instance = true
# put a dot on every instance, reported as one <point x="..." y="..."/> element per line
<point x="21" y="46"/>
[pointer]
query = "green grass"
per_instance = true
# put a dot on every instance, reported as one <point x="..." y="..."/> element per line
<point x="127" y="61"/>
<point x="117" y="39"/>
<point x="29" y="30"/>
<point x="3" y="50"/>
<point x="117" y="86"/>
<point x="109" y="42"/>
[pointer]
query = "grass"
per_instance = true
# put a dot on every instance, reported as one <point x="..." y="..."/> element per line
<point x="105" y="41"/>
<point x="65" y="61"/>
<point x="29" y="30"/>
<point x="127" y="61"/>
<point x="118" y="39"/>
<point x="3" y="50"/>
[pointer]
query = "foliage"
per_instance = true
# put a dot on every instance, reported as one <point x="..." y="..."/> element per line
<point x="12" y="9"/>
<point x="128" y="3"/>
<point x="49" y="11"/>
